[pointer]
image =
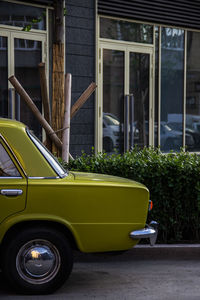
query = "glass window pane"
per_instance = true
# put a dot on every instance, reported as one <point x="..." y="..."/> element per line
<point x="193" y="92"/>
<point x="3" y="77"/>
<point x="7" y="168"/>
<point x="21" y="15"/>
<point x="28" y="54"/>
<point x="126" y="31"/>
<point x="172" y="85"/>
<point x="139" y="87"/>
<point x="113" y="96"/>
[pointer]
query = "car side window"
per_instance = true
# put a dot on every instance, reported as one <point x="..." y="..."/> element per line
<point x="7" y="167"/>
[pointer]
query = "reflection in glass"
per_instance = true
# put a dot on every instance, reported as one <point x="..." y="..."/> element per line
<point x="193" y="91"/>
<point x="139" y="87"/>
<point x="126" y="31"/>
<point x="22" y="15"/>
<point x="113" y="91"/>
<point x="7" y="167"/>
<point x="28" y="54"/>
<point x="3" y="77"/>
<point x="172" y="83"/>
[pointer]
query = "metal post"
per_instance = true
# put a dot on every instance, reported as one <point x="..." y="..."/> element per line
<point x="132" y="127"/>
<point x="17" y="99"/>
<point x="126" y="123"/>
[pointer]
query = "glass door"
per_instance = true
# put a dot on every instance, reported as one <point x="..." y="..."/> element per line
<point x="27" y="56"/>
<point x="126" y="85"/>
<point x="113" y="97"/>
<point x="139" y="68"/>
<point x="20" y="54"/>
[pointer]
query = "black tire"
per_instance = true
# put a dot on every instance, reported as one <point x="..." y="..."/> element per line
<point x="33" y="251"/>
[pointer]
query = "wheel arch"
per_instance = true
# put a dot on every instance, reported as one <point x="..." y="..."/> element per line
<point x="17" y="227"/>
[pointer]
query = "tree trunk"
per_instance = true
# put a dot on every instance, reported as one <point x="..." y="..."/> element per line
<point x="58" y="89"/>
<point x="58" y="71"/>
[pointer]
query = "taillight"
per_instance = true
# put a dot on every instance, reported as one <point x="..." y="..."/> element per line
<point x="150" y="205"/>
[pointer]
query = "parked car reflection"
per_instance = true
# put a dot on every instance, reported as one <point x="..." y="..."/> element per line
<point x="192" y="136"/>
<point x="171" y="136"/>
<point x="113" y="133"/>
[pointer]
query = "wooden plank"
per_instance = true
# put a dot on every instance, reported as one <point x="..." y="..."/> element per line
<point x="66" y="123"/>
<point x="49" y="131"/>
<point x="83" y="98"/>
<point x="45" y="99"/>
<point x="20" y="90"/>
<point x="44" y="92"/>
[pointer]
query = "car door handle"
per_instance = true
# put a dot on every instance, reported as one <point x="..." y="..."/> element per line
<point x="11" y="192"/>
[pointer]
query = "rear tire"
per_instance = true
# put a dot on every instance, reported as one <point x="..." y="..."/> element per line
<point x="37" y="260"/>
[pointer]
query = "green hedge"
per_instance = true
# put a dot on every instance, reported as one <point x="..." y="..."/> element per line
<point x="173" y="181"/>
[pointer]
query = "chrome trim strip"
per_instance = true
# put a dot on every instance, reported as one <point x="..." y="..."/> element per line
<point x="11" y="192"/>
<point x="10" y="177"/>
<point x="34" y="177"/>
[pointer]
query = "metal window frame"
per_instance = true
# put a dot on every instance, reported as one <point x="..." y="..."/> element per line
<point x="99" y="76"/>
<point x="29" y="4"/>
<point x="148" y="23"/>
<point x="184" y="88"/>
<point x="159" y="84"/>
<point x="11" y="34"/>
<point x="127" y="47"/>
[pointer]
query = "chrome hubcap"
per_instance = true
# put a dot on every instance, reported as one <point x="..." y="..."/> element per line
<point x="38" y="261"/>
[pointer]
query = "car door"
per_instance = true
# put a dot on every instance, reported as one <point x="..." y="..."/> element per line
<point x="13" y="183"/>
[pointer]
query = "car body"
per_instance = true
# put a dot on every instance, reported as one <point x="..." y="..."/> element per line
<point x="46" y="211"/>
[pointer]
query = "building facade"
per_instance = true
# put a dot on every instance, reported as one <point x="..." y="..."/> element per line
<point x="143" y="55"/>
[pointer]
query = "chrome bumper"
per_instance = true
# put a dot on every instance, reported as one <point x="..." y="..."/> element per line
<point x="151" y="232"/>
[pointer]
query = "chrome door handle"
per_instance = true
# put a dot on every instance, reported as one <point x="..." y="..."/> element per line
<point x="11" y="192"/>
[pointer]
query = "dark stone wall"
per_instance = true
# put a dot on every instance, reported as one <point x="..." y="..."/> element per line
<point x="80" y="62"/>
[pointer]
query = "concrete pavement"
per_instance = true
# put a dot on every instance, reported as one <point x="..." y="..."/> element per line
<point x="167" y="272"/>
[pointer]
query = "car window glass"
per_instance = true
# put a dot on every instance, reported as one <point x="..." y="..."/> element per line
<point x="7" y="167"/>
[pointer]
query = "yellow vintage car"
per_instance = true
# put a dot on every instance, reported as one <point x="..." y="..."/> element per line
<point x="46" y="212"/>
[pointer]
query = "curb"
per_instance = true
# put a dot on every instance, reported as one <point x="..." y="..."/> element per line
<point x="145" y="252"/>
<point x="166" y="251"/>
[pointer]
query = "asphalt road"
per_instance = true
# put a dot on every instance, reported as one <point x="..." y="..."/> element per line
<point x="141" y="273"/>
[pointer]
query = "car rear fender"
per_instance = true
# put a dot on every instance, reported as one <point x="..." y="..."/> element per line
<point x="18" y="222"/>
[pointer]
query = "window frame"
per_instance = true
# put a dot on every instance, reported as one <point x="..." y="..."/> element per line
<point x="99" y="104"/>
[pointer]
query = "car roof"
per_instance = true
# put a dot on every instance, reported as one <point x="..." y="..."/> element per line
<point x="11" y="123"/>
<point x="15" y="135"/>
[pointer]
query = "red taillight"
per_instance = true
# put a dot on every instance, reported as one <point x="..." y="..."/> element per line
<point x="150" y="205"/>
